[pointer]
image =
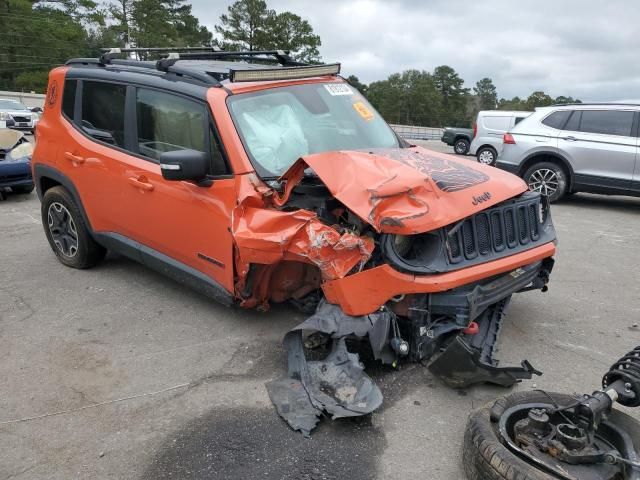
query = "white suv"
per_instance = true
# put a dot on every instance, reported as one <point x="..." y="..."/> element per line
<point x="488" y="130"/>
<point x="576" y="148"/>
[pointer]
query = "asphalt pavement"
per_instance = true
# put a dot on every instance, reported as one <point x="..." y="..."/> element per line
<point x="118" y="372"/>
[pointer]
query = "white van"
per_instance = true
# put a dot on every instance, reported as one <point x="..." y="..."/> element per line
<point x="488" y="130"/>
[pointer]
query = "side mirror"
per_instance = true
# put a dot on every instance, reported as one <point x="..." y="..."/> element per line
<point x="184" y="165"/>
<point x="36" y="110"/>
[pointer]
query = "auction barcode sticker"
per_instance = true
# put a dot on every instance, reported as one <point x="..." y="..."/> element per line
<point x="338" y="89"/>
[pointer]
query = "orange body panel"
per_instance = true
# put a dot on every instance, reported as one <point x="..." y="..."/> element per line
<point x="364" y="292"/>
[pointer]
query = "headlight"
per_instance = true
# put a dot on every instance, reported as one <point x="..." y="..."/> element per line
<point x="21" y="151"/>
<point x="4" y="116"/>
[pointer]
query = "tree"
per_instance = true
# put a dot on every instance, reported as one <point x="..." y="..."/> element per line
<point x="243" y="26"/>
<point x="562" y="99"/>
<point x="453" y="95"/>
<point x="250" y="25"/>
<point x="487" y="94"/>
<point x="288" y="31"/>
<point x="538" y="99"/>
<point x="357" y="84"/>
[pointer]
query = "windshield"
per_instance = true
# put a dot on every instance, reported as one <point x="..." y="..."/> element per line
<point x="280" y="125"/>
<point x="11" y="105"/>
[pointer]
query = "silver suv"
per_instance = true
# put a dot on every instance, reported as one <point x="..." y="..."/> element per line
<point x="576" y="148"/>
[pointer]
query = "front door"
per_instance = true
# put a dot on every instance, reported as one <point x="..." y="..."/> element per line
<point x="187" y="222"/>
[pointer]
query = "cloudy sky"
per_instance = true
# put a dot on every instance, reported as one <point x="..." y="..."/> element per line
<point x="583" y="48"/>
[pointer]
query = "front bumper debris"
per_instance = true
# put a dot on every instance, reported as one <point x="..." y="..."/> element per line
<point x="454" y="333"/>
<point x="468" y="359"/>
<point x="337" y="384"/>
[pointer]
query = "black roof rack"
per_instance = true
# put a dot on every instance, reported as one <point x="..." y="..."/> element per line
<point x="167" y="63"/>
<point x="596" y="104"/>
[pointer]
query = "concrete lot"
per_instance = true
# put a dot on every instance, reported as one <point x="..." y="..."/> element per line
<point x="117" y="372"/>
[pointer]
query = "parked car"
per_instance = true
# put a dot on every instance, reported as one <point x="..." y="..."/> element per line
<point x="576" y="148"/>
<point x="23" y="118"/>
<point x="458" y="138"/>
<point x="488" y="130"/>
<point x="15" y="162"/>
<point x="260" y="183"/>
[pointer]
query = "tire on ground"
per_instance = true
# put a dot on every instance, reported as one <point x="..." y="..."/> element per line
<point x="461" y="146"/>
<point x="487" y="149"/>
<point x="484" y="457"/>
<point x="563" y="181"/>
<point x="89" y="252"/>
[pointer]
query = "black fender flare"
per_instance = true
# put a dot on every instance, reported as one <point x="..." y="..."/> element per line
<point x="45" y="171"/>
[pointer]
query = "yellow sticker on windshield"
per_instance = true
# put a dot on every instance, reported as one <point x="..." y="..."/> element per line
<point x="363" y="111"/>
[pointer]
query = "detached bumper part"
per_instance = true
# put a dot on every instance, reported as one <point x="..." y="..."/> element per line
<point x="336" y="385"/>
<point x="468" y="359"/>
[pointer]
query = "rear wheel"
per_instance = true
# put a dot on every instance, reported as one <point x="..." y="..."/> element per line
<point x="487" y="156"/>
<point x="548" y="179"/>
<point x="461" y="146"/>
<point x="67" y="232"/>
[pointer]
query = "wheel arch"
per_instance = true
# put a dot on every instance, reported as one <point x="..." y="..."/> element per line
<point x="461" y="136"/>
<point x="47" y="177"/>
<point x="551" y="157"/>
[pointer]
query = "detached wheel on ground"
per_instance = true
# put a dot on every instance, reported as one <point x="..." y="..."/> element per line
<point x="548" y="179"/>
<point x="461" y="146"/>
<point x="23" y="189"/>
<point x="67" y="232"/>
<point x="487" y="156"/>
<point x="484" y="455"/>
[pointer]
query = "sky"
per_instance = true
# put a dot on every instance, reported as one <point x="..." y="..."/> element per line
<point x="585" y="49"/>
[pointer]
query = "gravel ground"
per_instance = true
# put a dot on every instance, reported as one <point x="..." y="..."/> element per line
<point x="118" y="372"/>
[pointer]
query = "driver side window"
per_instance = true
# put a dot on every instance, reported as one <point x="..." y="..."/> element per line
<point x="167" y="123"/>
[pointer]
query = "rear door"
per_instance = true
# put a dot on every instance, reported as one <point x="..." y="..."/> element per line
<point x="601" y="148"/>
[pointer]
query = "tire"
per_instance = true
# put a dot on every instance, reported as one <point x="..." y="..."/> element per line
<point x="62" y="221"/>
<point x="550" y="171"/>
<point x="485" y="458"/>
<point x="461" y="146"/>
<point x="487" y="156"/>
<point x="23" y="189"/>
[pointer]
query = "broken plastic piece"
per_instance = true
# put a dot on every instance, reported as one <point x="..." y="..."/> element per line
<point x="336" y="385"/>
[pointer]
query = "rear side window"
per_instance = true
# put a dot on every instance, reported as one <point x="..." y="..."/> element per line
<point x="557" y="119"/>
<point x="167" y="123"/>
<point x="609" y="122"/>
<point x="518" y="120"/>
<point x="103" y="111"/>
<point x="497" y="123"/>
<point x="69" y="98"/>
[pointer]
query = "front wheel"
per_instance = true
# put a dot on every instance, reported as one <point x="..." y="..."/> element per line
<point x="548" y="179"/>
<point x="487" y="156"/>
<point x="461" y="146"/>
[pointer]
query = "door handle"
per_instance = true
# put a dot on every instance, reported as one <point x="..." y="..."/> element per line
<point x="74" y="158"/>
<point x="570" y="139"/>
<point x="142" y="183"/>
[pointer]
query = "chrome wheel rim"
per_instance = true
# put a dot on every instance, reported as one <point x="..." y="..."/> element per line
<point x="544" y="181"/>
<point x="460" y="147"/>
<point x="62" y="229"/>
<point x="486" y="157"/>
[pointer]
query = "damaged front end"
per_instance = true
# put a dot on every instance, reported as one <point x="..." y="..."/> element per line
<point x="413" y="252"/>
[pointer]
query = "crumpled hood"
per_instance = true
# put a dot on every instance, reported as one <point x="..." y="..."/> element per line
<point x="406" y="190"/>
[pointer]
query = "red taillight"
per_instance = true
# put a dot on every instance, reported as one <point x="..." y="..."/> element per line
<point x="475" y="129"/>
<point x="508" y="139"/>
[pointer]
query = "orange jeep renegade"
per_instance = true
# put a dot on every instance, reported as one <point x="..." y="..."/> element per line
<point x="256" y="179"/>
